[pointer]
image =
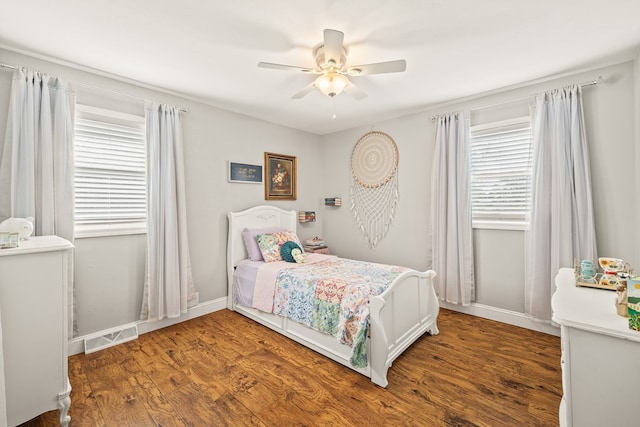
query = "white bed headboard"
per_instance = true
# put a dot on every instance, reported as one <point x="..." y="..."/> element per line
<point x="255" y="217"/>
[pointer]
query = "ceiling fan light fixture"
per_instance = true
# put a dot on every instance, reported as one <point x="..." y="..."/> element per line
<point x="333" y="74"/>
<point x="331" y="84"/>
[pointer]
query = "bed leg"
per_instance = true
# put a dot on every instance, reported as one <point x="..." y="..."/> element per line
<point x="379" y="344"/>
<point x="379" y="378"/>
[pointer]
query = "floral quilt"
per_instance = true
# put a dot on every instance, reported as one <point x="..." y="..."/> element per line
<point x="332" y="296"/>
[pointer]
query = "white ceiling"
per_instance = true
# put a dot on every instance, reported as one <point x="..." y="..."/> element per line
<point x="208" y="50"/>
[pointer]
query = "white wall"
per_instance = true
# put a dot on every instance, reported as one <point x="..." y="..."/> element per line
<point x="110" y="270"/>
<point x="499" y="254"/>
<point x="405" y="243"/>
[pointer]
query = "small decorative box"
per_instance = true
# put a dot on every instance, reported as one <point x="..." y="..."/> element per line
<point x="9" y="240"/>
<point x="633" y="302"/>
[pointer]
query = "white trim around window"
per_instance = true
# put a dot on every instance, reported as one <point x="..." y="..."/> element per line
<point x="501" y="158"/>
<point x="110" y="173"/>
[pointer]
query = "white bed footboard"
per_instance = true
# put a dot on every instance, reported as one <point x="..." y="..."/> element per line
<point x="398" y="317"/>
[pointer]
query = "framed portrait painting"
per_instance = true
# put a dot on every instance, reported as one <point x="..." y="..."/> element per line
<point x="279" y="177"/>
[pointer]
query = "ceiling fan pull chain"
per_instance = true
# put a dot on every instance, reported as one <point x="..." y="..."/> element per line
<point x="333" y="107"/>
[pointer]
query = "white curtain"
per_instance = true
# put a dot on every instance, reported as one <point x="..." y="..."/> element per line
<point x="36" y="168"/>
<point x="561" y="223"/>
<point x="3" y="393"/>
<point x="169" y="288"/>
<point x="37" y="158"/>
<point x="451" y="233"/>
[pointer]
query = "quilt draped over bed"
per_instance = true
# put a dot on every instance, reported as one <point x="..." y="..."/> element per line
<point x="328" y="294"/>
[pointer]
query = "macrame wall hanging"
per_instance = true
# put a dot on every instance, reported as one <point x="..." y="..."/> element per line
<point x="374" y="185"/>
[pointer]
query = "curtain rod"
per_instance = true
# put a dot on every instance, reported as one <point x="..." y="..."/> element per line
<point x="182" y="109"/>
<point x="598" y="80"/>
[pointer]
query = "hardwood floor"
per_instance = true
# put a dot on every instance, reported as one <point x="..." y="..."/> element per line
<point x="223" y="369"/>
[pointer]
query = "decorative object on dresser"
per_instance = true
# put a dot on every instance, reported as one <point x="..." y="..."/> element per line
<point x="374" y="185"/>
<point x="614" y="273"/>
<point x="622" y="304"/>
<point x="600" y="357"/>
<point x="34" y="282"/>
<point x="280" y="177"/>
<point x="9" y="240"/>
<point x="633" y="302"/>
<point x="22" y="226"/>
<point x="400" y="303"/>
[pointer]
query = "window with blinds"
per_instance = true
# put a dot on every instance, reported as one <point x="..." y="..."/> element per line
<point x="110" y="173"/>
<point x="501" y="156"/>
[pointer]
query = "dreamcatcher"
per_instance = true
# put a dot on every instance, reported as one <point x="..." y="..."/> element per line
<point x="374" y="185"/>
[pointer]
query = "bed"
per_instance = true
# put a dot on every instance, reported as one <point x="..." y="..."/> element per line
<point x="397" y="317"/>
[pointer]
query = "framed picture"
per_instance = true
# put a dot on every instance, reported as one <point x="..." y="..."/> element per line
<point x="245" y="173"/>
<point x="279" y="177"/>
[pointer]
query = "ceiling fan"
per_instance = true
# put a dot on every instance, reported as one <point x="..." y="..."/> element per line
<point x="333" y="74"/>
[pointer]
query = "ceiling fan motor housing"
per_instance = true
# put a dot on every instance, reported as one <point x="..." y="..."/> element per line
<point x="323" y="64"/>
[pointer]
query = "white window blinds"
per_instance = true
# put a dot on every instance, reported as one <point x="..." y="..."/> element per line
<point x="110" y="173"/>
<point x="501" y="155"/>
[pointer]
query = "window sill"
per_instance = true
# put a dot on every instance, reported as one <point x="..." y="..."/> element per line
<point x="500" y="225"/>
<point x="106" y="231"/>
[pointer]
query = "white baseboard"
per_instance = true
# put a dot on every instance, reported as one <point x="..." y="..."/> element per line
<point x="76" y="344"/>
<point x="504" y="316"/>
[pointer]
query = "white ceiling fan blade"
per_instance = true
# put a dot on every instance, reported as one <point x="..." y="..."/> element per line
<point x="355" y="92"/>
<point x="304" y="91"/>
<point x="333" y="43"/>
<point x="378" y="68"/>
<point x="286" y="67"/>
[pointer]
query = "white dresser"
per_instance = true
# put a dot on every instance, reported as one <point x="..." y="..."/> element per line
<point x="33" y="303"/>
<point x="600" y="357"/>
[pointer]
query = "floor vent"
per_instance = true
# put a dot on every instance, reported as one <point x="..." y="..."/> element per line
<point x="110" y="338"/>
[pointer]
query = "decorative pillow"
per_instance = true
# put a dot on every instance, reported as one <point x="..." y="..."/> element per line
<point x="290" y="251"/>
<point x="251" y="242"/>
<point x="269" y="244"/>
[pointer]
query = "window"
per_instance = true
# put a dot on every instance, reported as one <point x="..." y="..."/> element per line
<point x="110" y="173"/>
<point x="501" y="156"/>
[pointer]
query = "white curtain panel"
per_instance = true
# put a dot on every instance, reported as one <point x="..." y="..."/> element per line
<point x="169" y="288"/>
<point x="561" y="223"/>
<point x="3" y="392"/>
<point x="36" y="169"/>
<point x="37" y="159"/>
<point x="451" y="232"/>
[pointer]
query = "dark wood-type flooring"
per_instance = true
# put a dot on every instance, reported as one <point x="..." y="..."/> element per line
<point x="224" y="369"/>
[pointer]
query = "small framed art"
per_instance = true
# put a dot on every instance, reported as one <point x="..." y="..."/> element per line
<point x="245" y="173"/>
<point x="279" y="177"/>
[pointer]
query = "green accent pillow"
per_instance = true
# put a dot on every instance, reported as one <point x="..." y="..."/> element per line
<point x="285" y="251"/>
